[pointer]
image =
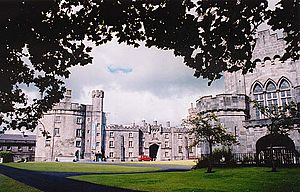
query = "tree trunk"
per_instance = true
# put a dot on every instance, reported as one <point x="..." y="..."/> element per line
<point x="209" y="168"/>
<point x="274" y="169"/>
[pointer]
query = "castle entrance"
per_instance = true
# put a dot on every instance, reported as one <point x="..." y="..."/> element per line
<point x="153" y="149"/>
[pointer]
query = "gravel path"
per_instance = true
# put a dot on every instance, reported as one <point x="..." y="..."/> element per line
<point x="58" y="181"/>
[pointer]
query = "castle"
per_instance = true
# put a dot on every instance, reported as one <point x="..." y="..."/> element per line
<point x="272" y="82"/>
<point x="80" y="130"/>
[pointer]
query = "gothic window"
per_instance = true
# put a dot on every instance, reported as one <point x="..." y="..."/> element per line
<point x="271" y="95"/>
<point x="259" y="97"/>
<point x="285" y="92"/>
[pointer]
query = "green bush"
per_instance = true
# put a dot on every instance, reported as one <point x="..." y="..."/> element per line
<point x="7" y="156"/>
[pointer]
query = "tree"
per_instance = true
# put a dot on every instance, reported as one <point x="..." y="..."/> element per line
<point x="207" y="128"/>
<point x="41" y="40"/>
<point x="282" y="120"/>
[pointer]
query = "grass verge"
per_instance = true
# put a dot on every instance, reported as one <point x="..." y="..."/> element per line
<point x="77" y="167"/>
<point x="10" y="185"/>
<point x="173" y="162"/>
<point x="227" y="179"/>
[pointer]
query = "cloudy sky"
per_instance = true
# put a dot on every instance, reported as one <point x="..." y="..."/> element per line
<point x="139" y="83"/>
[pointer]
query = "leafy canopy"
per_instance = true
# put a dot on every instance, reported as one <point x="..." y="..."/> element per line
<point x="207" y="128"/>
<point x="41" y="40"/>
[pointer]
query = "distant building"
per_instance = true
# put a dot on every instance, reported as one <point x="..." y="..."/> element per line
<point x="76" y="130"/>
<point x="21" y="145"/>
<point x="272" y="82"/>
<point x="126" y="143"/>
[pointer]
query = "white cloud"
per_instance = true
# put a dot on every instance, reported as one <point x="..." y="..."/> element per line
<point x="158" y="87"/>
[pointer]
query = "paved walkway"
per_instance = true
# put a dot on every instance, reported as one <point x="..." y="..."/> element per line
<point x="58" y="181"/>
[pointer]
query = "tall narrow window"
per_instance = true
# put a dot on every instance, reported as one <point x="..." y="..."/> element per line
<point x="259" y="97"/>
<point x="285" y="92"/>
<point x="272" y="98"/>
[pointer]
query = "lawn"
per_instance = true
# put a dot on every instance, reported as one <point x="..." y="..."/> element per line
<point x="235" y="179"/>
<point x="76" y="167"/>
<point x="8" y="184"/>
<point x="174" y="162"/>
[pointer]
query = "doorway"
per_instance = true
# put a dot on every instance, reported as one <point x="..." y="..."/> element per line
<point x="153" y="149"/>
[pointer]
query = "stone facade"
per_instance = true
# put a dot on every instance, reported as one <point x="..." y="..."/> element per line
<point x="75" y="130"/>
<point x="21" y="145"/>
<point x="272" y="82"/>
<point x="126" y="143"/>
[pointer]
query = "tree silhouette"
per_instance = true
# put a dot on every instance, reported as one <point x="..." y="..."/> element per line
<point x="41" y="40"/>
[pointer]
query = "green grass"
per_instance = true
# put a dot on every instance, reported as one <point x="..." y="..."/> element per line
<point x="76" y="167"/>
<point x="174" y="162"/>
<point x="236" y="179"/>
<point x="11" y="185"/>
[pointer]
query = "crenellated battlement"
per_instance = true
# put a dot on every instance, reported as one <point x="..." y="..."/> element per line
<point x="268" y="46"/>
<point x="222" y="102"/>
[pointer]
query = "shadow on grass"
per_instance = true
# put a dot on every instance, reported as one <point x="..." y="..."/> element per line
<point x="49" y="183"/>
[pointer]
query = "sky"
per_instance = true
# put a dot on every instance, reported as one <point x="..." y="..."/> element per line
<point x="139" y="83"/>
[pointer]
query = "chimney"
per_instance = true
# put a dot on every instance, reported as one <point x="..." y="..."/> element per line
<point x="154" y="122"/>
<point x="144" y="122"/>
<point x="68" y="95"/>
<point x="168" y="124"/>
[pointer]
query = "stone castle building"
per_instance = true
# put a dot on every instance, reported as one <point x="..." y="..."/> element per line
<point x="126" y="143"/>
<point x="75" y="130"/>
<point x="272" y="82"/>
<point x="80" y="131"/>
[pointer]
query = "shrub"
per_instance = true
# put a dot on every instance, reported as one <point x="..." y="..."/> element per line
<point x="7" y="156"/>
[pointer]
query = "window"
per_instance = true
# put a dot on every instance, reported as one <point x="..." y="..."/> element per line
<point x="166" y="144"/>
<point x="47" y="143"/>
<point x="190" y="149"/>
<point x="20" y="148"/>
<point x="111" y="144"/>
<point x="30" y="148"/>
<point x="179" y="149"/>
<point x="271" y="95"/>
<point x="111" y="134"/>
<point x="78" y="120"/>
<point x="111" y="154"/>
<point x="57" y="119"/>
<point x="285" y="93"/>
<point x="78" y="143"/>
<point x="56" y="131"/>
<point x="154" y="136"/>
<point x="259" y="97"/>
<point x="130" y="144"/>
<point x="130" y="154"/>
<point x="166" y="154"/>
<point x="88" y="131"/>
<point x="78" y="132"/>
<point x="130" y="135"/>
<point x="179" y="136"/>
<point x="166" y="136"/>
<point x="8" y="148"/>
<point x="98" y="134"/>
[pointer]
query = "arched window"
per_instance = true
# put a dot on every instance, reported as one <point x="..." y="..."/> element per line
<point x="285" y="92"/>
<point x="272" y="97"/>
<point x="259" y="97"/>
